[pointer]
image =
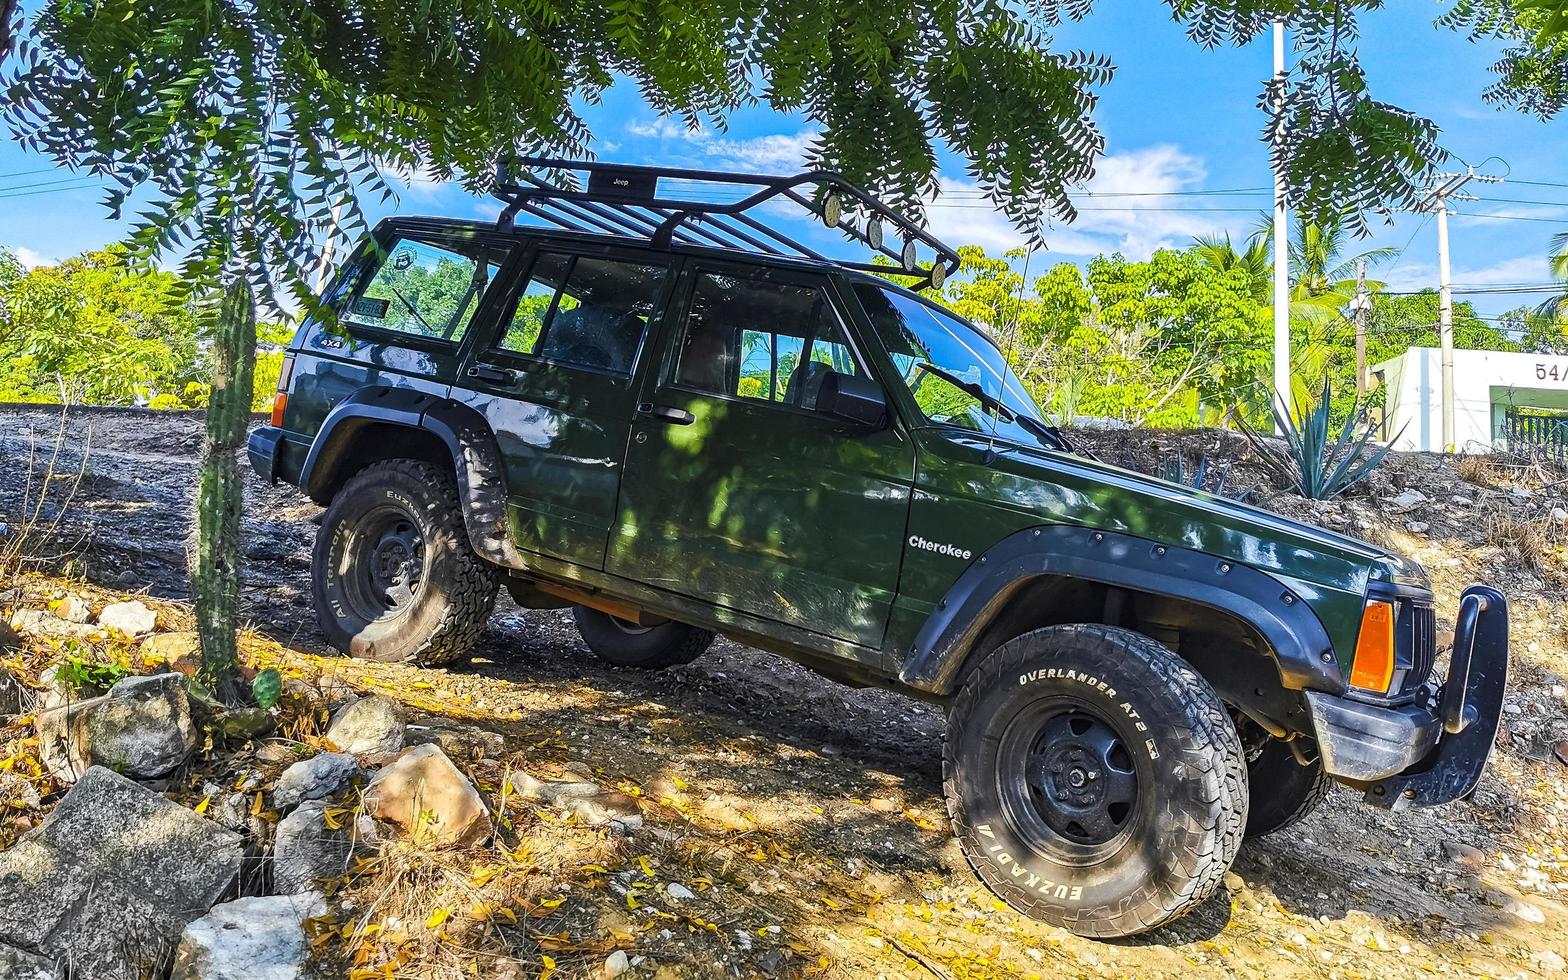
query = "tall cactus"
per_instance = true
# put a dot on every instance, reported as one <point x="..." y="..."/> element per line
<point x="216" y="578"/>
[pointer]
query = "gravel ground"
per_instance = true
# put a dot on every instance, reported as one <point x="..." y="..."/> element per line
<point x="848" y="784"/>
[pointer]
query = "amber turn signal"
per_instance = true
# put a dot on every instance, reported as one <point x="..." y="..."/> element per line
<point x="279" y="401"/>
<point x="1373" y="668"/>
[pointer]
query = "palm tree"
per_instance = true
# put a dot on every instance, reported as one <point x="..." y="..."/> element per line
<point x="1555" y="308"/>
<point x="1323" y="282"/>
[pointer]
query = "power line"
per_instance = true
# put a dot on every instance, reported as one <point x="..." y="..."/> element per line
<point x="54" y="190"/>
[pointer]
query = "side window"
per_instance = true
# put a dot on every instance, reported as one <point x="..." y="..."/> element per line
<point x="426" y="289"/>
<point x="584" y="310"/>
<point x="771" y="342"/>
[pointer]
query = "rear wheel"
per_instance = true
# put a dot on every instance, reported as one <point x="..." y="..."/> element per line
<point x="625" y="644"/>
<point x="1094" y="779"/>
<point x="393" y="575"/>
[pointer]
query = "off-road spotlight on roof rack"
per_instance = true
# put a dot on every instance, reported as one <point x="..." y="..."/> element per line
<point x="620" y="199"/>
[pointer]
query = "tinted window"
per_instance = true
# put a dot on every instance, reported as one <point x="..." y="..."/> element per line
<point x="916" y="334"/>
<point x="772" y="342"/>
<point x="426" y="289"/>
<point x="583" y="310"/>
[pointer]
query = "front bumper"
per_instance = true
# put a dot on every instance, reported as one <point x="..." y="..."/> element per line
<point x="1420" y="754"/>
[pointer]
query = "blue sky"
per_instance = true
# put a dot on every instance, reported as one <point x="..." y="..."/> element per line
<point x="1177" y="119"/>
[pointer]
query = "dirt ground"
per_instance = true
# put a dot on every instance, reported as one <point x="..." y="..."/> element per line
<point x="807" y="817"/>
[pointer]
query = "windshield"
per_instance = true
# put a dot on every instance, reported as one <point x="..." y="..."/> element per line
<point x="917" y="335"/>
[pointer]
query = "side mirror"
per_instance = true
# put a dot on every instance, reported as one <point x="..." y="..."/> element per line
<point x="852" y="398"/>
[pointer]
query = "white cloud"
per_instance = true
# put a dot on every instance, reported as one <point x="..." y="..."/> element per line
<point x="773" y="152"/>
<point x="31" y="259"/>
<point x="1524" y="269"/>
<point x="962" y="216"/>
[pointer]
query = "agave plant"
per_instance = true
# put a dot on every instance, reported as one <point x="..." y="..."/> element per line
<point x="1206" y="476"/>
<point x="1313" y="461"/>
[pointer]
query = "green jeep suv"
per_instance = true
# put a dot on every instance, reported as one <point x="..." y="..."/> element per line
<point x="679" y="421"/>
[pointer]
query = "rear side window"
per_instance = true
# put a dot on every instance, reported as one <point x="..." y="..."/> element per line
<point x="766" y="341"/>
<point x="584" y="310"/>
<point x="426" y="289"/>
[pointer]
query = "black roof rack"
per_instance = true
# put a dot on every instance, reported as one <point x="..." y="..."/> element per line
<point x="622" y="199"/>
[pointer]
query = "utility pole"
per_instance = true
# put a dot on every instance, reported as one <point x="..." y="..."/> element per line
<point x="1361" y="328"/>
<point x="1281" y="245"/>
<point x="1443" y="187"/>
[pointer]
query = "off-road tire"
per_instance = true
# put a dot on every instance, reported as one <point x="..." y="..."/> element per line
<point x="668" y="644"/>
<point x="456" y="589"/>
<point x="1183" y="825"/>
<point x="1283" y="791"/>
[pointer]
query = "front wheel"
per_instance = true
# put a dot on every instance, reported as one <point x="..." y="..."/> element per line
<point x="1094" y="780"/>
<point x="393" y="575"/>
<point x="624" y="644"/>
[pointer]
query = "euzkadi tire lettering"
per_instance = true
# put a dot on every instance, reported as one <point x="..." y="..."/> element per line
<point x="1094" y="779"/>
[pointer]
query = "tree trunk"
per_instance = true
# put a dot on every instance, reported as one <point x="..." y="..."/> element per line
<point x="216" y="580"/>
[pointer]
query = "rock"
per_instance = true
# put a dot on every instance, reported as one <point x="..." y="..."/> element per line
<point x="1549" y="962"/>
<point x="679" y="892"/>
<point x="141" y="729"/>
<point x="1511" y="708"/>
<point x="1520" y="495"/>
<point x="73" y="609"/>
<point x="1408" y="499"/>
<point x="37" y="622"/>
<point x="250" y="722"/>
<point x="428" y="800"/>
<point x="277" y="753"/>
<point x="457" y="740"/>
<point x="1525" y="912"/>
<point x="113" y="861"/>
<point x="248" y="939"/>
<point x="1234" y="882"/>
<point x="131" y="618"/>
<point x="306" y="850"/>
<point x="1418" y="527"/>
<point x="615" y="810"/>
<point x="370" y="727"/>
<point x="616" y="964"/>
<point x="1459" y="500"/>
<point x="1560" y="515"/>
<point x="550" y="791"/>
<point x="18" y="964"/>
<point x="180" y="652"/>
<point x="17" y="793"/>
<point x="315" y="778"/>
<point x="1463" y="856"/>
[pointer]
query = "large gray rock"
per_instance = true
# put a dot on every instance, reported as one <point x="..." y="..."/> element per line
<point x="306" y="850"/>
<point x="18" y="964"/>
<point x="248" y="939"/>
<point x="109" y="880"/>
<point x="370" y="727"/>
<point x="141" y="728"/>
<point x="315" y="778"/>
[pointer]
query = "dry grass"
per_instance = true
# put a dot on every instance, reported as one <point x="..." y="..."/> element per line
<point x="31" y="537"/>
<point x="1479" y="470"/>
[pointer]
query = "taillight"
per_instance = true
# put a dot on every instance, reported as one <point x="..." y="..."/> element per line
<point x="281" y="399"/>
<point x="1373" y="667"/>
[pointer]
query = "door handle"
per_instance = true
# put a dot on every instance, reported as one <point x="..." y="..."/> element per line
<point x="666" y="413"/>
<point x="494" y="375"/>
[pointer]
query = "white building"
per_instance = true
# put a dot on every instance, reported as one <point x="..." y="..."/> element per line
<point x="1490" y="390"/>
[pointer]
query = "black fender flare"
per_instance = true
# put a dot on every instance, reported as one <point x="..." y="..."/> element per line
<point x="467" y="435"/>
<point x="1300" y="644"/>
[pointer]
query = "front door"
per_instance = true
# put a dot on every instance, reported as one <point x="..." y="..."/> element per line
<point x="554" y="379"/>
<point x="738" y="491"/>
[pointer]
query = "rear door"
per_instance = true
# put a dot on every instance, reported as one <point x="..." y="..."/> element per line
<point x="553" y="376"/>
<point x="739" y="492"/>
